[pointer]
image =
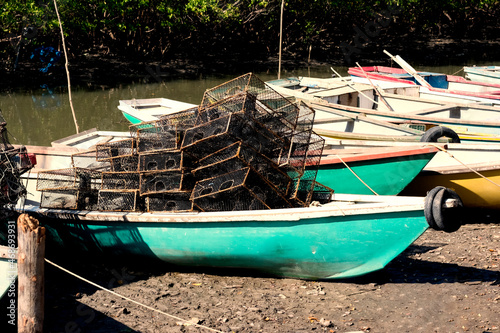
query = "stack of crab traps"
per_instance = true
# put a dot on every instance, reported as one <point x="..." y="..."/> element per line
<point x="245" y="147"/>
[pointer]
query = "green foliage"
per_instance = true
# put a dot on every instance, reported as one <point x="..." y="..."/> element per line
<point x="198" y="27"/>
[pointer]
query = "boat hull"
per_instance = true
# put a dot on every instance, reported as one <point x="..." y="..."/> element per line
<point x="475" y="191"/>
<point x="317" y="248"/>
<point x="384" y="176"/>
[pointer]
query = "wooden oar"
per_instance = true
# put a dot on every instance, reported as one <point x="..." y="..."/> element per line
<point x="376" y="89"/>
<point x="352" y="87"/>
<point x="410" y="70"/>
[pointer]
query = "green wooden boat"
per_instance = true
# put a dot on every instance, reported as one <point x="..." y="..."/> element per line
<point x="346" y="238"/>
<point x="350" y="236"/>
<point x="383" y="171"/>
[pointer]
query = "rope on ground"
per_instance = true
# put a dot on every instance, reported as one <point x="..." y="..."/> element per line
<point x="465" y="165"/>
<point x="129" y="299"/>
<point x="354" y="173"/>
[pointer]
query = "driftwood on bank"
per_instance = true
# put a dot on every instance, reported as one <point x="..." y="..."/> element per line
<point x="31" y="290"/>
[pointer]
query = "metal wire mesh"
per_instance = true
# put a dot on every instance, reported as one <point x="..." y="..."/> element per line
<point x="242" y="189"/>
<point x="239" y="156"/>
<point x="120" y="180"/>
<point x="269" y="100"/>
<point x="119" y="200"/>
<point x="174" y="202"/>
<point x="124" y="163"/>
<point x="155" y="138"/>
<point x="120" y="148"/>
<point x="165" y="181"/>
<point x="4" y="144"/>
<point x="321" y="193"/>
<point x="69" y="199"/>
<point x="248" y="146"/>
<point x="222" y="132"/>
<point x="69" y="179"/>
<point x="87" y="159"/>
<point x="161" y="160"/>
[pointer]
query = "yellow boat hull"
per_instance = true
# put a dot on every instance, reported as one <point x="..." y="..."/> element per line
<point x="475" y="191"/>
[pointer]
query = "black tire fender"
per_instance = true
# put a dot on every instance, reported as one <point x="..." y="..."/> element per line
<point x="436" y="132"/>
<point x="447" y="219"/>
<point x="429" y="199"/>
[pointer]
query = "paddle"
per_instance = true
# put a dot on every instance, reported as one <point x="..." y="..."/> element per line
<point x="410" y="70"/>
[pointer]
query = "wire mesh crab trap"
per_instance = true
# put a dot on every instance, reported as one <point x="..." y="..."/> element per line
<point x="321" y="193"/>
<point x="162" y="160"/>
<point x="239" y="156"/>
<point x="120" y="148"/>
<point x="69" y="179"/>
<point x="165" y="181"/>
<point x="222" y="132"/>
<point x="69" y="199"/>
<point x="119" y="200"/>
<point x="87" y="159"/>
<point x="242" y="189"/>
<point x="156" y="138"/>
<point x="305" y="169"/>
<point x="175" y="202"/>
<point x="265" y="104"/>
<point x="120" y="181"/>
<point x="124" y="163"/>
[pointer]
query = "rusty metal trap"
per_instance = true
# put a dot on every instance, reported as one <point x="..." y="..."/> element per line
<point x="124" y="163"/>
<point x="321" y="193"/>
<point x="153" y="139"/>
<point x="239" y="156"/>
<point x="245" y="147"/>
<point x="242" y="189"/>
<point x="119" y="200"/>
<point x="165" y="181"/>
<point x="69" y="179"/>
<point x="222" y="132"/>
<point x="163" y="160"/>
<point x="87" y="159"/>
<point x="120" y="148"/>
<point x="69" y="199"/>
<point x="175" y="202"/>
<point x="120" y="180"/>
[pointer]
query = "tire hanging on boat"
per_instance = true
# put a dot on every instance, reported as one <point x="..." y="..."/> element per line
<point x="448" y="220"/>
<point x="429" y="200"/>
<point x="436" y="132"/>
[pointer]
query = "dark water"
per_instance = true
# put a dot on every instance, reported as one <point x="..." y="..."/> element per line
<point x="38" y="117"/>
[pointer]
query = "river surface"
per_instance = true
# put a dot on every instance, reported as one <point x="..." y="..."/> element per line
<point x="38" y="117"/>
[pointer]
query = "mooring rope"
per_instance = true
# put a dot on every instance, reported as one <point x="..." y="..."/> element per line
<point x="354" y="173"/>
<point x="465" y="165"/>
<point x="129" y="299"/>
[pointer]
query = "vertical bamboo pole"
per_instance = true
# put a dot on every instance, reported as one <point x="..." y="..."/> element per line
<point x="30" y="272"/>
<point x="281" y="37"/>
<point x="67" y="70"/>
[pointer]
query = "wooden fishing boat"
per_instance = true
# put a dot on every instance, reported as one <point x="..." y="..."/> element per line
<point x="139" y="110"/>
<point x="487" y="74"/>
<point x="381" y="171"/>
<point x="478" y="185"/>
<point x="437" y="82"/>
<point x="468" y="121"/>
<point x="323" y="242"/>
<point x="471" y="170"/>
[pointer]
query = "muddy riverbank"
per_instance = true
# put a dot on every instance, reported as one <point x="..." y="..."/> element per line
<point x="442" y="283"/>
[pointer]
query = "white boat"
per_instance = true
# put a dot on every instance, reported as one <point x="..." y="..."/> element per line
<point x="488" y="74"/>
<point x="148" y="109"/>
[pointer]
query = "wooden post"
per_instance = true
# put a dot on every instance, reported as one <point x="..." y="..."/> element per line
<point x="30" y="271"/>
